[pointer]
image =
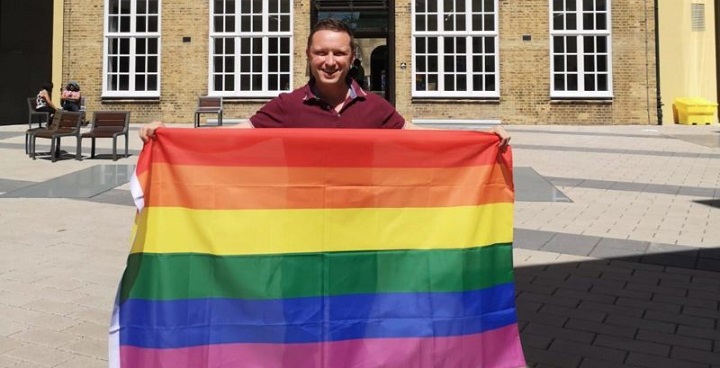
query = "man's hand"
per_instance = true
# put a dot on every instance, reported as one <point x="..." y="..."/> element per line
<point x="147" y="131"/>
<point x="502" y="134"/>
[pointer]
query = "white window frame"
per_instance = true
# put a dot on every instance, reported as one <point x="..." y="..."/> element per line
<point x="265" y="34"/>
<point x="580" y="33"/>
<point x="441" y="36"/>
<point x="132" y="36"/>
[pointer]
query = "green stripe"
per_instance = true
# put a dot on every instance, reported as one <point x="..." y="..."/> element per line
<point x="189" y="276"/>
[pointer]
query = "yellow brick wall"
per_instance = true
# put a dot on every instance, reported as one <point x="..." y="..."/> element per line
<point x="524" y="66"/>
<point x="525" y="71"/>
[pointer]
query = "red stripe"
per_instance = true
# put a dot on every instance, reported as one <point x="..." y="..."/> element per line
<point x="327" y="148"/>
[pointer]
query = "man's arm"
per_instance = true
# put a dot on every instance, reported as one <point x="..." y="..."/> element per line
<point x="496" y="129"/>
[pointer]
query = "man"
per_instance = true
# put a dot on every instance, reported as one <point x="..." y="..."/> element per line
<point x="330" y="99"/>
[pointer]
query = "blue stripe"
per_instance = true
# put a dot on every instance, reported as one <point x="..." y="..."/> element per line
<point x="184" y="323"/>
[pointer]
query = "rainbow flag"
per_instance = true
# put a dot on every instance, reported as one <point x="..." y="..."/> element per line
<point x="319" y="248"/>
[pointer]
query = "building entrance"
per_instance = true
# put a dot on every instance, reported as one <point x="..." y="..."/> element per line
<point x="25" y="55"/>
<point x="373" y="23"/>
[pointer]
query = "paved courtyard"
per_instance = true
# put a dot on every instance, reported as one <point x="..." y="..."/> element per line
<point x="617" y="247"/>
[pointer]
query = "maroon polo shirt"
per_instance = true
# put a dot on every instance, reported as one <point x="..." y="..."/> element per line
<point x="302" y="109"/>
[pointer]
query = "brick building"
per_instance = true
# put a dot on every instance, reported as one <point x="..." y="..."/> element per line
<point x="459" y="61"/>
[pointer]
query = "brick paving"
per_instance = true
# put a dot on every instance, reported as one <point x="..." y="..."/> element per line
<point x="627" y="274"/>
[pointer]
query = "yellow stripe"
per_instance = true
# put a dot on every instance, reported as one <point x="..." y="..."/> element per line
<point x="240" y="232"/>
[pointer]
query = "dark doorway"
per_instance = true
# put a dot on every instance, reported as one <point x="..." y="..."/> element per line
<point x="373" y="22"/>
<point x="25" y="55"/>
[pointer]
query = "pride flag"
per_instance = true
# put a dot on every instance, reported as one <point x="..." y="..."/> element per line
<point x="307" y="248"/>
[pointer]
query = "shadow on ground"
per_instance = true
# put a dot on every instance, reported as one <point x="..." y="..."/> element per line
<point x="709" y="202"/>
<point x="659" y="310"/>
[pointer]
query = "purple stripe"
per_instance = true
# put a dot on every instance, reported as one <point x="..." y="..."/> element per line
<point x="495" y="348"/>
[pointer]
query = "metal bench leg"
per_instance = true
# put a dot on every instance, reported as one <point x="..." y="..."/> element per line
<point x="78" y="155"/>
<point x="53" y="158"/>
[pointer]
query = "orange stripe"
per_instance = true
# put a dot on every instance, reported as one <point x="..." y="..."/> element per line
<point x="213" y="187"/>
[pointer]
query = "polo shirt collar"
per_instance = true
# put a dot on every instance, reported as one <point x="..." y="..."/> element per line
<point x="355" y="91"/>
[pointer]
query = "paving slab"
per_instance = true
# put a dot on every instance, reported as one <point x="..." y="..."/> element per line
<point x="616" y="248"/>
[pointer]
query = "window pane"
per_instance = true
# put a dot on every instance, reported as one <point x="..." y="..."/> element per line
<point x="478" y="64"/>
<point x="420" y="64"/>
<point x="432" y="45"/>
<point x="449" y="45"/>
<point x="153" y="6"/>
<point x="478" y="82"/>
<point x="589" y="80"/>
<point x="559" y="80"/>
<point x="489" y="22"/>
<point x="477" y="22"/>
<point x="489" y="63"/>
<point x="230" y="64"/>
<point x="420" y="83"/>
<point x="462" y="83"/>
<point x="420" y="45"/>
<point x="420" y="23"/>
<point x="601" y="22"/>
<point x="140" y="82"/>
<point x="432" y="23"/>
<point x="152" y="64"/>
<point x="152" y="82"/>
<point x="571" y="45"/>
<point x="603" y="82"/>
<point x="449" y="64"/>
<point x="153" y="24"/>
<point x="449" y="83"/>
<point x="490" y="82"/>
<point x="589" y="63"/>
<point x="571" y="62"/>
<point x="140" y="64"/>
<point x="449" y="23"/>
<point x="588" y="21"/>
<point x="432" y="64"/>
<point x="571" y="21"/>
<point x="140" y="45"/>
<point x="572" y="82"/>
<point x="602" y="63"/>
<point x="489" y="6"/>
<point x="602" y="44"/>
<point x="124" y="24"/>
<point x="140" y="24"/>
<point x="489" y="45"/>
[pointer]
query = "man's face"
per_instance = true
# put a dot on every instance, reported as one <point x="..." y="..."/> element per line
<point x="330" y="56"/>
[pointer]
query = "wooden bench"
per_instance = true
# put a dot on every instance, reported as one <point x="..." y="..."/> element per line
<point x="108" y="124"/>
<point x="64" y="124"/>
<point x="209" y="105"/>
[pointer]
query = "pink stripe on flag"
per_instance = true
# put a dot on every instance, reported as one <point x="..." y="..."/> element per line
<point x="496" y="348"/>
